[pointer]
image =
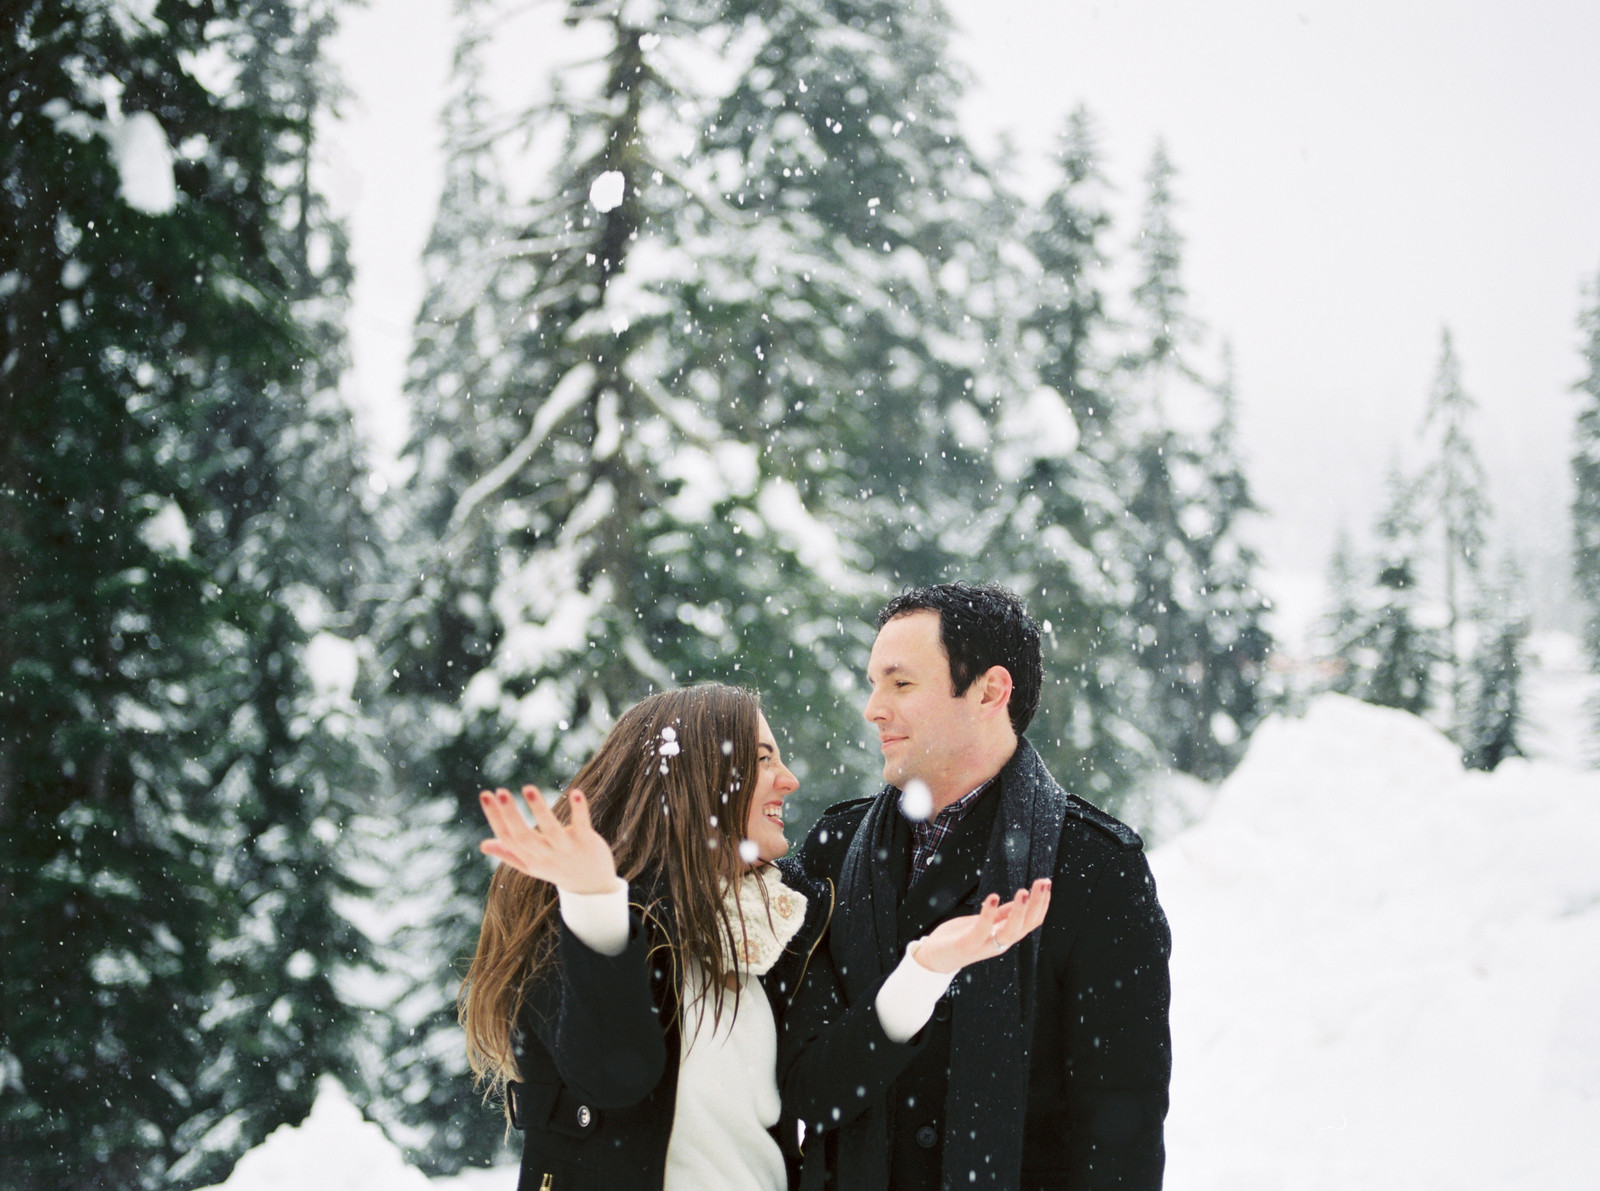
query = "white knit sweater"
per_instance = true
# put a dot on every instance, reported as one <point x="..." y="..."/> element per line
<point x="727" y="1070"/>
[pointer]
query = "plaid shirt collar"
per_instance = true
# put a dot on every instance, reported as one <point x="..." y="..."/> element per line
<point x="930" y="833"/>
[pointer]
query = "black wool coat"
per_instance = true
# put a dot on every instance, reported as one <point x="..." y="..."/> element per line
<point x="598" y="1044"/>
<point x="1095" y="1089"/>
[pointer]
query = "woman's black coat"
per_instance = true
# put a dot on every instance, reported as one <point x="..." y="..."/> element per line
<point x="598" y="1044"/>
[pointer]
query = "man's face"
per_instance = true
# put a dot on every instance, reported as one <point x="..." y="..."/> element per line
<point x="923" y="729"/>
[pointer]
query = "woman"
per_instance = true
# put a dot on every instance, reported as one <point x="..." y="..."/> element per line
<point x="639" y="948"/>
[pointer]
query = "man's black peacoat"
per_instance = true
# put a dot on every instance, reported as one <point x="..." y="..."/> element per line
<point x="1094" y="1096"/>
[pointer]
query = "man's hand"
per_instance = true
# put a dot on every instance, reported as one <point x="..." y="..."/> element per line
<point x="573" y="857"/>
<point x="957" y="942"/>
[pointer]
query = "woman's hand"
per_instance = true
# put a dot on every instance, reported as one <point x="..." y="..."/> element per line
<point x="957" y="942"/>
<point x="573" y="857"/>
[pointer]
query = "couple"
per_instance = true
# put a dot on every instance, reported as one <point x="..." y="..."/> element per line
<point x="972" y="994"/>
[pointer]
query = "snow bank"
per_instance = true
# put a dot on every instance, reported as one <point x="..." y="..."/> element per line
<point x="333" y="1149"/>
<point x="1386" y="971"/>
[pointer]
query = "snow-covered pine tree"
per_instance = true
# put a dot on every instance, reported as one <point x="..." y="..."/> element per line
<point x="1070" y="321"/>
<point x="1456" y="490"/>
<point x="300" y="756"/>
<point x="1586" y="478"/>
<point x="1066" y="530"/>
<point x="1228" y="698"/>
<point x="1492" y="722"/>
<point x="1392" y="654"/>
<point x="150" y="355"/>
<point x="1167" y="331"/>
<point x="1196" y="612"/>
<point x="857" y="314"/>
<point x="607" y="530"/>
<point x="1343" y="615"/>
<point x="440" y="630"/>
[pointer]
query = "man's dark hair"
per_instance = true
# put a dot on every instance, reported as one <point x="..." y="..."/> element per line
<point x="981" y="625"/>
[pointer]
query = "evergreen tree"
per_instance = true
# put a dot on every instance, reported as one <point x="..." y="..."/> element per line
<point x="1236" y="642"/>
<point x="1586" y="476"/>
<point x="1492" y="721"/>
<point x="738" y="400"/>
<point x="596" y="530"/>
<point x="300" y="756"/>
<point x="1197" y="614"/>
<point x="167" y="992"/>
<point x="848" y="306"/>
<point x="1339" y="624"/>
<point x="1066" y="530"/>
<point x="1166" y="330"/>
<point x="1070" y="319"/>
<point x="1456" y="486"/>
<point x="1393" y="655"/>
<point x="441" y="631"/>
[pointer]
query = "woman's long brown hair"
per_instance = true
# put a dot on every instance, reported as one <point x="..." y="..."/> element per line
<point x="670" y="791"/>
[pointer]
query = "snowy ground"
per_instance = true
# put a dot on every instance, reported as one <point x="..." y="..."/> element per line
<point x="1386" y="975"/>
<point x="1386" y="971"/>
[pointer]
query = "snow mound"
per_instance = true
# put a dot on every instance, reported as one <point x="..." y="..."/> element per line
<point x="333" y="1149"/>
<point x="1386" y="970"/>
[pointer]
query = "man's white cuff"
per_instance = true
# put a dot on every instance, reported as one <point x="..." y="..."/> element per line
<point x="599" y="920"/>
<point x="906" y="1000"/>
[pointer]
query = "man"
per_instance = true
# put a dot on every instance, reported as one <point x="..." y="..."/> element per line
<point x="1045" y="1067"/>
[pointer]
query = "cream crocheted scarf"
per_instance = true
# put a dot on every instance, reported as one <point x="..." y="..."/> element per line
<point x="770" y="914"/>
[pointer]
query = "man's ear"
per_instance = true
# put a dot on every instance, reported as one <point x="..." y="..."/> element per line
<point x="995" y="687"/>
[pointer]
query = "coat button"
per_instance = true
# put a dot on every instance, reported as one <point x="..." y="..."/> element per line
<point x="927" y="1137"/>
<point x="941" y="1010"/>
<point x="584" y="1116"/>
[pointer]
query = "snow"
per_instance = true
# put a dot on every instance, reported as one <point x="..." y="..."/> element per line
<point x="916" y="801"/>
<point x="1386" y="970"/>
<point x="607" y="190"/>
<point x="166" y="531"/>
<point x="1558" y="692"/>
<point x="1386" y="975"/>
<point x="1042" y="428"/>
<point x="135" y="17"/>
<point x="333" y="663"/>
<point x="143" y="155"/>
<point x="816" y="546"/>
<point x="333" y="1149"/>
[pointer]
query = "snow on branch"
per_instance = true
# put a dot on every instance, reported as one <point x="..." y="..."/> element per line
<point x="569" y="393"/>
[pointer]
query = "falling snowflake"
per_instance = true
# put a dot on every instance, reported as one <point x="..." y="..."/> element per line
<point x="607" y="190"/>
<point x="916" y="801"/>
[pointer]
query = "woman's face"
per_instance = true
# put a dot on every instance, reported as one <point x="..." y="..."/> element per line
<point x="764" y="827"/>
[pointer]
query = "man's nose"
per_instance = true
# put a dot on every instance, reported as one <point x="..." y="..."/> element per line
<point x="873" y="711"/>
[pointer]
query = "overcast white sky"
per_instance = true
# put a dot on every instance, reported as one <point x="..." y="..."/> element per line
<point x="1353" y="175"/>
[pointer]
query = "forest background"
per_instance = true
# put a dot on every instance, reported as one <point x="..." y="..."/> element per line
<point x="726" y="329"/>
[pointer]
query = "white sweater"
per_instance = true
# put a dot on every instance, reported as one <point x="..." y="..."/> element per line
<point x="727" y="1070"/>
